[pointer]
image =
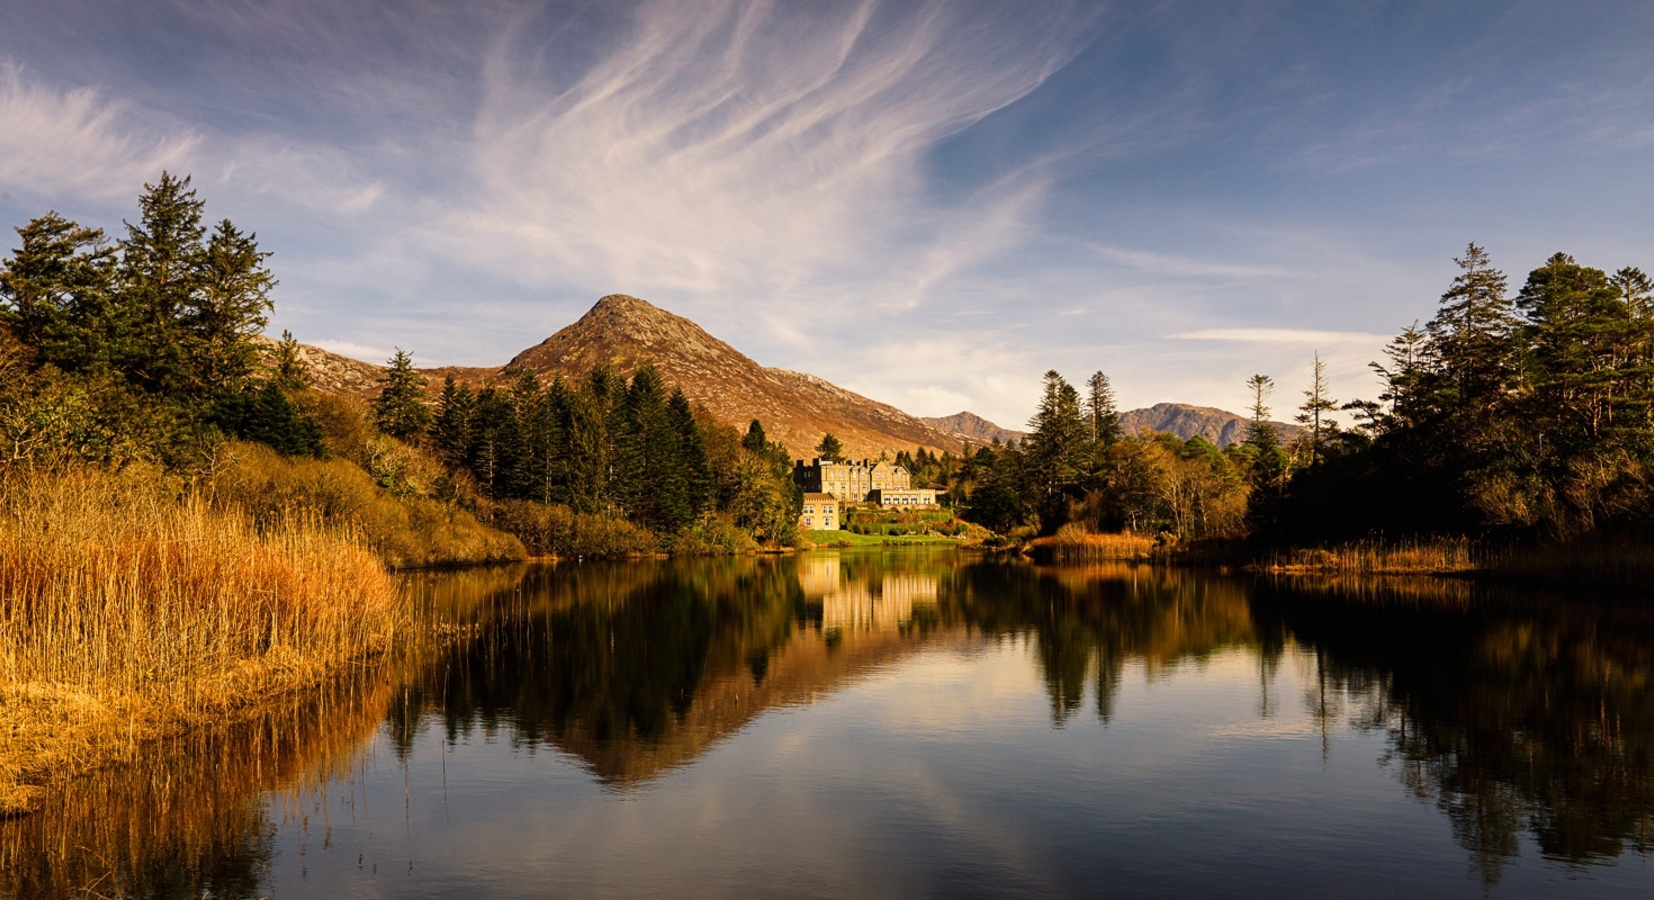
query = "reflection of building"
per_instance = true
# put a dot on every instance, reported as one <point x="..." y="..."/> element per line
<point x="820" y="512"/>
<point x="882" y="602"/>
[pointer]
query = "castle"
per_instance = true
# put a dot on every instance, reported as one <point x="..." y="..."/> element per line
<point x="867" y="481"/>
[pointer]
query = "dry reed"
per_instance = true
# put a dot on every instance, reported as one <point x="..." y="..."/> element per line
<point x="1073" y="544"/>
<point x="1416" y="557"/>
<point x="129" y="612"/>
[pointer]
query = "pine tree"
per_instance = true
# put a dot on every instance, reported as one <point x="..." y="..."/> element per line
<point x="57" y="293"/>
<point x="1316" y="410"/>
<point x="755" y="439"/>
<point x="1101" y="415"/>
<point x="451" y="429"/>
<point x="1260" y="432"/>
<point x="830" y="448"/>
<point x="1473" y="345"/>
<point x="400" y="409"/>
<point x="699" y="483"/>
<point x="291" y="373"/>
<point x="162" y="262"/>
<point x="1056" y="450"/>
<point x="231" y="303"/>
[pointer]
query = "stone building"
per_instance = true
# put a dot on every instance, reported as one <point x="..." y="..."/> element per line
<point x="854" y="481"/>
<point x="821" y="512"/>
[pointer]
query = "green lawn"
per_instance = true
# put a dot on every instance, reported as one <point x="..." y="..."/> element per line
<point x="849" y="539"/>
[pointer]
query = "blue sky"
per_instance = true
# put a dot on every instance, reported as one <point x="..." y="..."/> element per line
<point x="929" y="203"/>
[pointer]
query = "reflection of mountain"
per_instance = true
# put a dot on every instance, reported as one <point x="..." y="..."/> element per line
<point x="1534" y="718"/>
<point x="635" y="668"/>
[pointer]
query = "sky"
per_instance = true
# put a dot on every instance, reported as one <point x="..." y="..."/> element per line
<point x="930" y="203"/>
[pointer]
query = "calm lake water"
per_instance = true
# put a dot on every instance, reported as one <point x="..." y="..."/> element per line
<point x="911" y="724"/>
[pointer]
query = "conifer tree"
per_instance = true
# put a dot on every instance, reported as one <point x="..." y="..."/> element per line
<point x="830" y="448"/>
<point x="231" y="304"/>
<point x="400" y="409"/>
<point x="57" y="292"/>
<point x="1316" y="411"/>
<point x="161" y="270"/>
<point x="1101" y="415"/>
<point x="1056" y="450"/>
<point x="699" y="483"/>
<point x="1260" y="432"/>
<point x="451" y="429"/>
<point x="291" y="373"/>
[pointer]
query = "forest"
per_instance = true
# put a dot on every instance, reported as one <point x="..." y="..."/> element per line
<point x="141" y="351"/>
<point x="1522" y="418"/>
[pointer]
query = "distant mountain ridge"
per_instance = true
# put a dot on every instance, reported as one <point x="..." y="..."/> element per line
<point x="1219" y="426"/>
<point x="968" y="426"/>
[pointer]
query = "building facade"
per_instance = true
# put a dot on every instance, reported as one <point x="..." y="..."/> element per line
<point x="821" y="512"/>
<point x="862" y="481"/>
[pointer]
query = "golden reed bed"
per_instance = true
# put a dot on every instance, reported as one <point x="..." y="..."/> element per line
<point x="130" y="611"/>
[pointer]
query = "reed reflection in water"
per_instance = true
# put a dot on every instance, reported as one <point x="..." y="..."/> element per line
<point x="889" y="724"/>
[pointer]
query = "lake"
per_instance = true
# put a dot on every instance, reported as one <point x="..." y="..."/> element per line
<point x="910" y="724"/>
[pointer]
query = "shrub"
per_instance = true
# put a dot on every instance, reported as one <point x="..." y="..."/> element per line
<point x="556" y="530"/>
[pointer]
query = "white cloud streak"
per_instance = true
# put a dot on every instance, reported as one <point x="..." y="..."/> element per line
<point x="746" y="149"/>
<point x="57" y="143"/>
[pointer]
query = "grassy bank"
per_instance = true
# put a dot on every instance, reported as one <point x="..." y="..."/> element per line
<point x="824" y="539"/>
<point x="131" y="612"/>
<point x="1072" y="544"/>
<point x="1416" y="557"/>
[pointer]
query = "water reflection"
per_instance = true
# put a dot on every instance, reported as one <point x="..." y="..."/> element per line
<point x="190" y="818"/>
<point x="1511" y="714"/>
<point x="1522" y="719"/>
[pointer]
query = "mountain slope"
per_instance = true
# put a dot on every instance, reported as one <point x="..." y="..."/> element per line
<point x="968" y="426"/>
<point x="1219" y="426"/>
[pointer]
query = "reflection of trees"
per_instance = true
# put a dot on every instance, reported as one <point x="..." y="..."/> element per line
<point x="585" y="656"/>
<point x="187" y="819"/>
<point x="1510" y="718"/>
<point x="1088" y="622"/>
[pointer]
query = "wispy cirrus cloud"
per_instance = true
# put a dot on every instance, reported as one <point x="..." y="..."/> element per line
<point x="78" y="142"/>
<point x="749" y="148"/>
<point x="1281" y="336"/>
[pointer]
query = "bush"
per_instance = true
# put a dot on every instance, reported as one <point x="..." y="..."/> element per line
<point x="712" y="537"/>
<point x="406" y="531"/>
<point x="556" y="530"/>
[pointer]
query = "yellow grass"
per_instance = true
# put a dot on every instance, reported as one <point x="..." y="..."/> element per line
<point x="1073" y="544"/>
<point x="129" y="612"/>
<point x="1378" y="558"/>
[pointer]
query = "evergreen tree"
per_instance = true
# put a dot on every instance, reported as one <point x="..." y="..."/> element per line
<point x="263" y="413"/>
<point x="1316" y="410"/>
<point x="400" y="409"/>
<point x="583" y="448"/>
<point x="57" y="292"/>
<point x="1260" y="432"/>
<point x="699" y="483"/>
<point x="161" y="270"/>
<point x="830" y="448"/>
<point x="1473" y="348"/>
<point x="1056" y="451"/>
<point x="231" y="304"/>
<point x="451" y="429"/>
<point x="755" y="440"/>
<point x="1101" y="416"/>
<point x="291" y="373"/>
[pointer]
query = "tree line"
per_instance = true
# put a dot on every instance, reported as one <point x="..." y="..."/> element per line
<point x="145" y="348"/>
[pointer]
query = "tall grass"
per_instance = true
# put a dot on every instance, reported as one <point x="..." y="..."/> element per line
<point x="1073" y="544"/>
<point x="1375" y="557"/>
<point x="130" y="611"/>
<point x="406" y="529"/>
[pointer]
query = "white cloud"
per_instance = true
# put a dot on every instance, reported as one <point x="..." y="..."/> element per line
<point x="745" y="150"/>
<point x="62" y="145"/>
<point x="1282" y="336"/>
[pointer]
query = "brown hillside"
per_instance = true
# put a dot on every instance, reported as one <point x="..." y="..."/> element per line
<point x="1219" y="426"/>
<point x="796" y="408"/>
<point x="968" y="426"/>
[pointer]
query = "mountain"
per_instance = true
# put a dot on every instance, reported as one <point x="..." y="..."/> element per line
<point x="796" y="408"/>
<point x="968" y="426"/>
<point x="1219" y="426"/>
<point x="623" y="332"/>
